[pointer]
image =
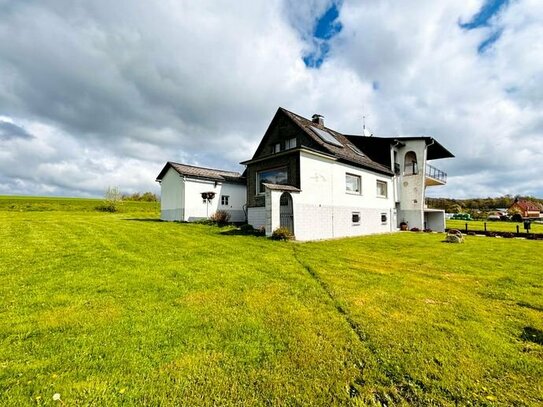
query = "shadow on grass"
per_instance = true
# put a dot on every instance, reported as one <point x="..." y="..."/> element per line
<point x="532" y="334"/>
<point x="144" y="219"/>
<point x="237" y="232"/>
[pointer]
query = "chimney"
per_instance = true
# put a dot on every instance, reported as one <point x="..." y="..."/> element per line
<point x="318" y="119"/>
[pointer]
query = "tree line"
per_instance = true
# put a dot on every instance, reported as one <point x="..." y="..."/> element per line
<point x="452" y="205"/>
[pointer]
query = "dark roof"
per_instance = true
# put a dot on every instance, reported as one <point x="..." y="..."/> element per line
<point x="202" y="173"/>
<point x="344" y="153"/>
<point x="374" y="145"/>
<point x="278" y="187"/>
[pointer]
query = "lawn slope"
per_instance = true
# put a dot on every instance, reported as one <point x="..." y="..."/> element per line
<point x="114" y="309"/>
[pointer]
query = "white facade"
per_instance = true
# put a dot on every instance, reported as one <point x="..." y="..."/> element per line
<point x="181" y="198"/>
<point x="410" y="185"/>
<point x="324" y="208"/>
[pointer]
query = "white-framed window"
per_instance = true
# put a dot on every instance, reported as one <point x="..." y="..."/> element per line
<point x="384" y="218"/>
<point x="353" y="184"/>
<point x="355" y="217"/>
<point x="382" y="189"/>
<point x="273" y="176"/>
<point x="277" y="148"/>
<point x="224" y="200"/>
<point x="290" y="143"/>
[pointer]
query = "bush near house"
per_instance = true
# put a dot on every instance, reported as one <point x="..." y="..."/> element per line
<point x="281" y="234"/>
<point x="220" y="217"/>
<point x="121" y="309"/>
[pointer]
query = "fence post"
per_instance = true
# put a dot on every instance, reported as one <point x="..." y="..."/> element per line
<point x="485" y="226"/>
<point x="466" y="227"/>
<point x="518" y="230"/>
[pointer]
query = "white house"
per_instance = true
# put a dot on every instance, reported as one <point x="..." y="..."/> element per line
<point x="190" y="193"/>
<point x="322" y="184"/>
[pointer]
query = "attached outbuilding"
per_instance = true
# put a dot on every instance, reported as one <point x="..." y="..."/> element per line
<point x="189" y="193"/>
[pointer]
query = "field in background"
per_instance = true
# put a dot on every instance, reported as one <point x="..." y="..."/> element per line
<point x="493" y="226"/>
<point x="113" y="309"/>
<point x="42" y="204"/>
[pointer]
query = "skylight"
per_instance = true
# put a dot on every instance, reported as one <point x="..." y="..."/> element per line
<point x="326" y="137"/>
<point x="355" y="149"/>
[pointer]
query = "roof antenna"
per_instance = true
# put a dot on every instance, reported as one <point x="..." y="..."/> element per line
<point x="365" y="132"/>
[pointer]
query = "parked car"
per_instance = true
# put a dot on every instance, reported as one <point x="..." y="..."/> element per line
<point x="461" y="216"/>
<point x="493" y="217"/>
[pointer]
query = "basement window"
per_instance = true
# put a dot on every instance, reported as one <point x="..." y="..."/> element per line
<point x="384" y="219"/>
<point x="356" y="218"/>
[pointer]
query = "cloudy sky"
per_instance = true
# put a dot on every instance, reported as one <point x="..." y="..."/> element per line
<point x="102" y="93"/>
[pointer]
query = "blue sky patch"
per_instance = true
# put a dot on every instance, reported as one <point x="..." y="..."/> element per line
<point x="489" y="10"/>
<point x="486" y="44"/>
<point x="326" y="27"/>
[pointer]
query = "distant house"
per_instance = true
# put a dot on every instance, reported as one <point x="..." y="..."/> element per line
<point x="189" y="193"/>
<point x="526" y="208"/>
<point x="319" y="183"/>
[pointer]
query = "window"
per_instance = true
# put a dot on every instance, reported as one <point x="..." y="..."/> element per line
<point x="290" y="143"/>
<point x="382" y="190"/>
<point x="410" y="163"/>
<point x="224" y="200"/>
<point x="355" y="149"/>
<point x="353" y="184"/>
<point x="277" y="148"/>
<point x="384" y="219"/>
<point x="356" y="218"/>
<point x="275" y="176"/>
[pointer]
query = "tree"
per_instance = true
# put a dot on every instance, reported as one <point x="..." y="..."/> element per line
<point x="112" y="199"/>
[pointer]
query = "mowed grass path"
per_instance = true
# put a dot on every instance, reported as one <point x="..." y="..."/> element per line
<point x="120" y="309"/>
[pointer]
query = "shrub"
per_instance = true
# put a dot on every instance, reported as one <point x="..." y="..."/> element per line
<point x="508" y="235"/>
<point x="427" y="230"/>
<point x="517" y="217"/>
<point x="220" y="217"/>
<point x="112" y="200"/>
<point x="281" y="234"/>
<point x="247" y="229"/>
<point x="415" y="230"/>
<point x="261" y="231"/>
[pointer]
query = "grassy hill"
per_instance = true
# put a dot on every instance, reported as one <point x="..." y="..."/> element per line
<point x="113" y="309"/>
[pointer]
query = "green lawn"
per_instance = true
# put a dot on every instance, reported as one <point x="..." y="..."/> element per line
<point x="494" y="226"/>
<point x="111" y="309"/>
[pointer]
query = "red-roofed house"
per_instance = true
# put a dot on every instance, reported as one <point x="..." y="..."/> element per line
<point x="527" y="209"/>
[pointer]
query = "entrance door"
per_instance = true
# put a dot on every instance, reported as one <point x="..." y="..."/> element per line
<point x="286" y="215"/>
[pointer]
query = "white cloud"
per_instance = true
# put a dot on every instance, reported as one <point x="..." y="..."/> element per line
<point x="111" y="90"/>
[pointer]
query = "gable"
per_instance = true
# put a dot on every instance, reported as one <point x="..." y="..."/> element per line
<point x="286" y="125"/>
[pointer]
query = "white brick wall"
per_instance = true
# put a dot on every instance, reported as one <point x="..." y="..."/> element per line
<point x="256" y="217"/>
<point x="313" y="222"/>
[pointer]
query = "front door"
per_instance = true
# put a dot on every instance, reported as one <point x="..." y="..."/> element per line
<point x="286" y="215"/>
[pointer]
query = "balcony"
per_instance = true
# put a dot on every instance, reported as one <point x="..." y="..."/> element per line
<point x="434" y="176"/>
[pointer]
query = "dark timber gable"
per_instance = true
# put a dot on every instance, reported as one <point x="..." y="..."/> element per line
<point x="281" y="129"/>
<point x="286" y="126"/>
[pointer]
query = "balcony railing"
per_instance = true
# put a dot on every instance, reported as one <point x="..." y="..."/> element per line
<point x="437" y="174"/>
